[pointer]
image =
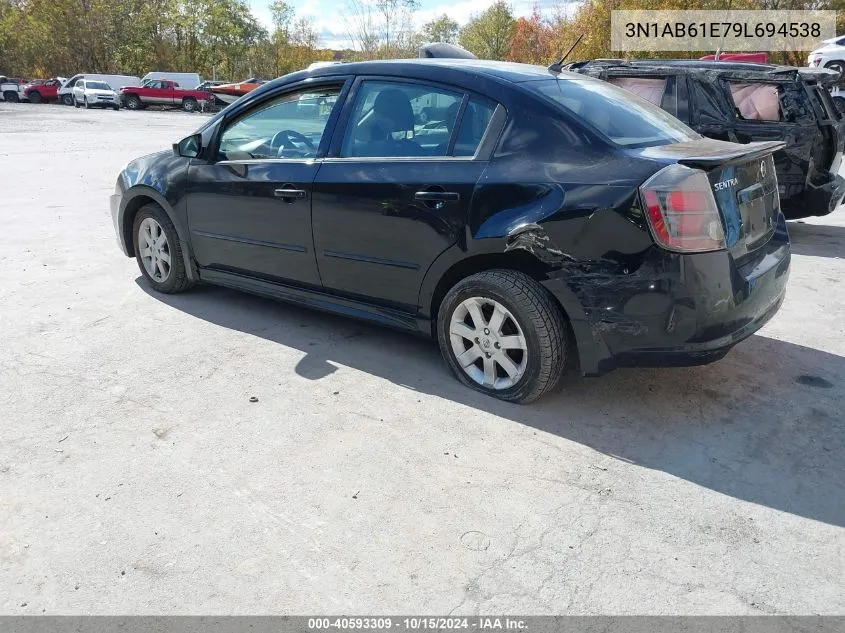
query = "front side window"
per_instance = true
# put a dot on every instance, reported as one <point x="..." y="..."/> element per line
<point x="393" y="120"/>
<point x="621" y="117"/>
<point x="290" y="126"/>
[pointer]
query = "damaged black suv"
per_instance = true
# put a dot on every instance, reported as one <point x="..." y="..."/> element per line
<point x="743" y="102"/>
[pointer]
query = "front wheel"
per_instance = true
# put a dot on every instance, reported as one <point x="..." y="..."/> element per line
<point x="501" y="333"/>
<point x="34" y="97"/>
<point x="158" y="250"/>
<point x="75" y="103"/>
<point x="11" y="96"/>
<point x="85" y="101"/>
<point x="133" y="102"/>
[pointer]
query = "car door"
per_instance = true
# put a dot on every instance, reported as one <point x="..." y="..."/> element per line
<point x="154" y="93"/>
<point x="249" y="207"/>
<point x="395" y="191"/>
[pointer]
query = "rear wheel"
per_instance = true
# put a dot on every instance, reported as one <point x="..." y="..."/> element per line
<point x="11" y="96"/>
<point x="839" y="102"/>
<point x="189" y="104"/>
<point x="158" y="251"/>
<point x="34" y="97"/>
<point x="837" y="66"/>
<point x="502" y="333"/>
<point x="68" y="99"/>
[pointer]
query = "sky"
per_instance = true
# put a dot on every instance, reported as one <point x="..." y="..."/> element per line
<point x="328" y="14"/>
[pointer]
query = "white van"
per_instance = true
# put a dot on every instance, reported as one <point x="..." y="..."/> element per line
<point x="115" y="82"/>
<point x="188" y="81"/>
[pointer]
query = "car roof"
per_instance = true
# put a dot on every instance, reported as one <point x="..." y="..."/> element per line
<point x="506" y="71"/>
<point x="744" y="70"/>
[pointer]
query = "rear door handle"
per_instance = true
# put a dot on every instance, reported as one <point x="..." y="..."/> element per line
<point x="438" y="196"/>
<point x="289" y="194"/>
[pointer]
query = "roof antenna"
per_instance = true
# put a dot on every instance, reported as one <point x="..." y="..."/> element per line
<point x="558" y="65"/>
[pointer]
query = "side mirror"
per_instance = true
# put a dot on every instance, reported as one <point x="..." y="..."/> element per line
<point x="188" y="147"/>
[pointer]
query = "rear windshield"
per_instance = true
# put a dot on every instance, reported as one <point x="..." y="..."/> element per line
<point x="620" y="116"/>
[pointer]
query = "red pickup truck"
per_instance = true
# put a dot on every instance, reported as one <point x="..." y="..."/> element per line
<point x="163" y="92"/>
<point x="41" y="91"/>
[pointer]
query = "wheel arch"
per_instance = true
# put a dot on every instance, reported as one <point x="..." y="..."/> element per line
<point x="441" y="277"/>
<point x="138" y="197"/>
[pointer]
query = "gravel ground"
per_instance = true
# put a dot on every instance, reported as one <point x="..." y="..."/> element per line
<point x="137" y="477"/>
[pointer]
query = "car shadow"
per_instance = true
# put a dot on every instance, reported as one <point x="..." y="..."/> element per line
<point x="764" y="425"/>
<point x="818" y="240"/>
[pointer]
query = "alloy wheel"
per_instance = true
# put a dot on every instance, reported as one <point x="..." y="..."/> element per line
<point x="155" y="251"/>
<point x="488" y="343"/>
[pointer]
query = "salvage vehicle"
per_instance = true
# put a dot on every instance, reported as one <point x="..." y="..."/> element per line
<point x="94" y="94"/>
<point x="10" y="88"/>
<point x="229" y="93"/>
<point x="830" y="55"/>
<point x="743" y="102"/>
<point x="164" y="92"/>
<point x="116" y="82"/>
<point x="557" y="221"/>
<point x="45" y="91"/>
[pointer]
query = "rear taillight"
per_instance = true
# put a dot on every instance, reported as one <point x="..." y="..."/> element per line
<point x="682" y="210"/>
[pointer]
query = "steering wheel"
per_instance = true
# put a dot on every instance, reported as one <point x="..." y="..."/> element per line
<point x="287" y="139"/>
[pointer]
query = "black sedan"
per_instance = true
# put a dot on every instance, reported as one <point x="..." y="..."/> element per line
<point x="531" y="221"/>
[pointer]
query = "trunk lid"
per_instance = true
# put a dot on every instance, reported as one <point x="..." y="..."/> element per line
<point x="743" y="182"/>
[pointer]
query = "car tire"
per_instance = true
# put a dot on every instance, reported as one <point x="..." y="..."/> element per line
<point x="836" y="66"/>
<point x="85" y="102"/>
<point x="839" y="102"/>
<point x="75" y="103"/>
<point x="189" y="104"/>
<point x="68" y="100"/>
<point x="34" y="97"/>
<point x="530" y="340"/>
<point x="11" y="96"/>
<point x="115" y="107"/>
<point x="133" y="102"/>
<point x="169" y="277"/>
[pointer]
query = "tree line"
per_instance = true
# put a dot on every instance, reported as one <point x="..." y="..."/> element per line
<point x="224" y="39"/>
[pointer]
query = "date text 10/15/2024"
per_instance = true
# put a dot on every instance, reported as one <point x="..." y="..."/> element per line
<point x="416" y="623"/>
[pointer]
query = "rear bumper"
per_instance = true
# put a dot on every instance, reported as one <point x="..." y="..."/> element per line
<point x="673" y="309"/>
<point x="822" y="193"/>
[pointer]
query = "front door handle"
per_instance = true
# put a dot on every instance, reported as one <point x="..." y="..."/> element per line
<point x="438" y="196"/>
<point x="289" y="195"/>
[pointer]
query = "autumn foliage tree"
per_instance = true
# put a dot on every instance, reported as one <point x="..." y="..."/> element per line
<point x="533" y="40"/>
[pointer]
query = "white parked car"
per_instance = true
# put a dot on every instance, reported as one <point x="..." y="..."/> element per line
<point x="116" y="82"/>
<point x="188" y="81"/>
<point x="95" y="94"/>
<point x="830" y="55"/>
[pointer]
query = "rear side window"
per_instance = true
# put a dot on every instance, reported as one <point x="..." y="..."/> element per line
<point x="473" y="126"/>
<point x="624" y="119"/>
<point x="756" y="101"/>
<point x="649" y="88"/>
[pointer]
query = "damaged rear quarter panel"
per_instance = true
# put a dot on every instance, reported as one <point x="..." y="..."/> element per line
<point x="582" y="222"/>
